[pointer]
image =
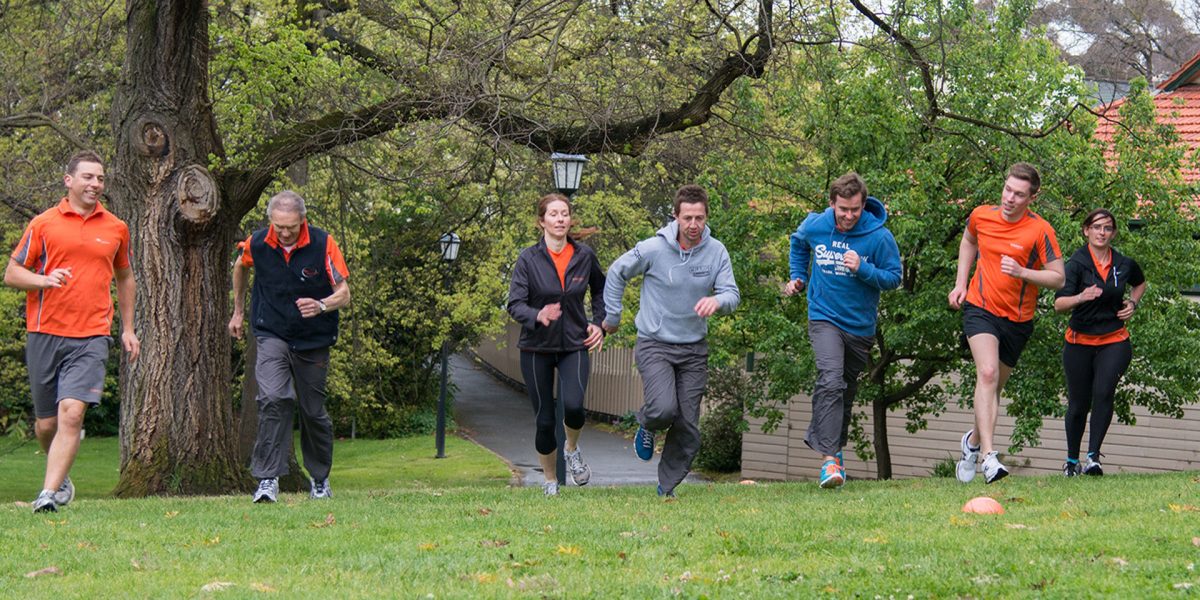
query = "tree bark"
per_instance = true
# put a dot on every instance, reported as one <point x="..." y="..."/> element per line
<point x="177" y="428"/>
<point x="883" y="453"/>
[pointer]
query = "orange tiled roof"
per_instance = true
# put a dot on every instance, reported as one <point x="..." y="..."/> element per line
<point x="1180" y="107"/>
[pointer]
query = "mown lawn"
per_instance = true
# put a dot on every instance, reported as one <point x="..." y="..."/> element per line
<point x="409" y="527"/>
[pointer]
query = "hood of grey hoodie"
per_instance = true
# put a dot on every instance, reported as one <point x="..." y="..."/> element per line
<point x="676" y="280"/>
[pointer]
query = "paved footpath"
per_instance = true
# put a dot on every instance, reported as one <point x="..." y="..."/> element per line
<point x="500" y="418"/>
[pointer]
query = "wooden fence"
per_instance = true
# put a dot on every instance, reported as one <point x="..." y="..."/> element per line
<point x="1155" y="444"/>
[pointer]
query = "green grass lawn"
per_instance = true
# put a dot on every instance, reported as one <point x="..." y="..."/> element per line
<point x="402" y="525"/>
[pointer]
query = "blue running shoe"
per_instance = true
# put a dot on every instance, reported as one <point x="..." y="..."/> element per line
<point x="832" y="475"/>
<point x="670" y="494"/>
<point x="643" y="443"/>
<point x="838" y="456"/>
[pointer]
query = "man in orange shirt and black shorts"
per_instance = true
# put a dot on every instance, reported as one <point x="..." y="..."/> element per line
<point x="1015" y="252"/>
<point x="66" y="261"/>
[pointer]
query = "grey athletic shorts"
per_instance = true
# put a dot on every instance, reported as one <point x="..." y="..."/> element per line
<point x="62" y="367"/>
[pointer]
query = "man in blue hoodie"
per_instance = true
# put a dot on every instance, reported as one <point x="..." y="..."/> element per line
<point x="843" y="257"/>
<point x="688" y="278"/>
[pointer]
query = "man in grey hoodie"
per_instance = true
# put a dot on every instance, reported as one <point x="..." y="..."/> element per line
<point x="688" y="278"/>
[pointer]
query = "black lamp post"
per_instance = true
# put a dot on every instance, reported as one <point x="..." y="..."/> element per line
<point x="567" y="170"/>
<point x="450" y="243"/>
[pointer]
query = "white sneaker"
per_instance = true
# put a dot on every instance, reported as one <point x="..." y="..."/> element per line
<point x="550" y="488"/>
<point x="45" y="502"/>
<point x="65" y="493"/>
<point x="1091" y="467"/>
<point x="970" y="456"/>
<point x="580" y="472"/>
<point x="319" y="490"/>
<point x="993" y="469"/>
<point x="267" y="490"/>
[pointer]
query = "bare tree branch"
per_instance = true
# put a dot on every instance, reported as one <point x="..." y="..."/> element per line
<point x="34" y="120"/>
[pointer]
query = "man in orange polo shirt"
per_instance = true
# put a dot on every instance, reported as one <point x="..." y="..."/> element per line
<point x="299" y="285"/>
<point x="66" y="261"/>
<point x="1015" y="252"/>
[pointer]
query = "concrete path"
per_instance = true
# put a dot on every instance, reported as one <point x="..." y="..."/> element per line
<point x="500" y="418"/>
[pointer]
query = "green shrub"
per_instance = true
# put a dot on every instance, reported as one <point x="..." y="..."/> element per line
<point x="722" y="423"/>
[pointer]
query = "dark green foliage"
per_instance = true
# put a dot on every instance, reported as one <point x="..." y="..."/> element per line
<point x="722" y="424"/>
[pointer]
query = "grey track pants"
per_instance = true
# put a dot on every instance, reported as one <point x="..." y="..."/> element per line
<point x="673" y="378"/>
<point x="288" y="378"/>
<point x="839" y="357"/>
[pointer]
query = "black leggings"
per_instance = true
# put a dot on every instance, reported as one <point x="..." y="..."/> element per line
<point x="538" y="369"/>
<point x="1092" y="376"/>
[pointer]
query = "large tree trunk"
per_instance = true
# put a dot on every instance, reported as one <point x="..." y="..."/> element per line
<point x="177" y="430"/>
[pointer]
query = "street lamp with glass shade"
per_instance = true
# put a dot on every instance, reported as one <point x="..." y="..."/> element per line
<point x="450" y="243"/>
<point x="568" y="169"/>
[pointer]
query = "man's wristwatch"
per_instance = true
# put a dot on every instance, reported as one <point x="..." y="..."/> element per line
<point x="322" y="305"/>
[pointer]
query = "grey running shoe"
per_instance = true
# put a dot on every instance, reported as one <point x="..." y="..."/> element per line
<point x="993" y="469"/>
<point x="965" y="470"/>
<point x="1071" y="469"/>
<point x="45" y="502"/>
<point x="550" y="488"/>
<point x="319" y="490"/>
<point x="65" y="493"/>
<point x="1092" y="467"/>
<point x="267" y="490"/>
<point x="580" y="472"/>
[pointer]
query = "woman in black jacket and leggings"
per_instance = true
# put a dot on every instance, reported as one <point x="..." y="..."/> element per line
<point x="546" y="297"/>
<point x="1097" y="349"/>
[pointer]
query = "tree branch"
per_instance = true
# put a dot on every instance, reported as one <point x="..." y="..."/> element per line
<point x="33" y="120"/>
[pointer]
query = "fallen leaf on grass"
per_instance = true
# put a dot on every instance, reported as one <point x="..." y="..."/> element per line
<point x="46" y="571"/>
<point x="1183" y="508"/>
<point x="213" y="541"/>
<point x="1196" y="542"/>
<point x="172" y="514"/>
<point x="262" y="587"/>
<point x="570" y="550"/>
<point x="484" y="577"/>
<point x="329" y="520"/>
<point x="85" y="545"/>
<point x="875" y="540"/>
<point x="217" y="586"/>
<point x="685" y="576"/>
<point x="493" y="543"/>
<point x="427" y="546"/>
<point x="1015" y="526"/>
<point x="137" y="566"/>
<point x="621" y="555"/>
<point x="1182" y="586"/>
<point x="1120" y="562"/>
<point x="485" y="511"/>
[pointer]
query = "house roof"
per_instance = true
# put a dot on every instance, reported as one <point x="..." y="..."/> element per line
<point x="1185" y="75"/>
<point x="1179" y="107"/>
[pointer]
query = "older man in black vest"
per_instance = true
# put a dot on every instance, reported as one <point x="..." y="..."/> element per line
<point x="299" y="285"/>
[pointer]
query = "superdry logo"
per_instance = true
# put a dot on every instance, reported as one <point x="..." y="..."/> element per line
<point x="310" y="271"/>
<point x="1016" y="245"/>
<point x="701" y="271"/>
<point x="577" y="279"/>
